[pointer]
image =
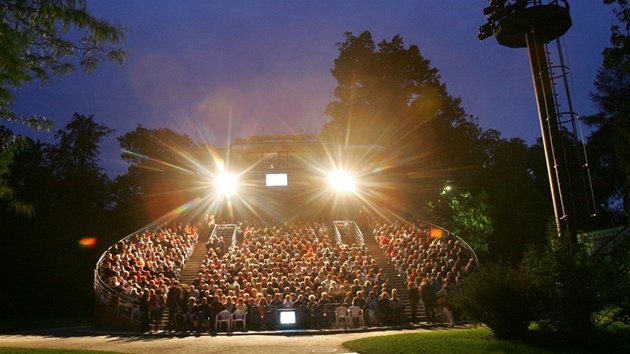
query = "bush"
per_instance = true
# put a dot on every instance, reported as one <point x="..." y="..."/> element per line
<point x="564" y="281"/>
<point x="497" y="296"/>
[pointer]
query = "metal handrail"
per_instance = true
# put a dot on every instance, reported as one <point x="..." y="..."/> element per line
<point x="112" y="298"/>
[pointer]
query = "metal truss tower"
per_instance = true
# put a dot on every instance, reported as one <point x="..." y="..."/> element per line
<point x="532" y="25"/>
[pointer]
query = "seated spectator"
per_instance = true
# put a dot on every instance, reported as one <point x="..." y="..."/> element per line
<point x="204" y="313"/>
<point x="347" y="300"/>
<point x="383" y="308"/>
<point x="371" y="309"/>
<point x="288" y="303"/>
<point x="189" y="314"/>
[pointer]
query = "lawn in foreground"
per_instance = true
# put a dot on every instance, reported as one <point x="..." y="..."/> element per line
<point x="4" y="350"/>
<point x="472" y="341"/>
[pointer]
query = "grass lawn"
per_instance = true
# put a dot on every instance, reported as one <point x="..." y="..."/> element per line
<point x="479" y="340"/>
<point x="49" y="351"/>
<point x="25" y="324"/>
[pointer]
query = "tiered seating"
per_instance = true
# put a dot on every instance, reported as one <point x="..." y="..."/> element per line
<point x="273" y="266"/>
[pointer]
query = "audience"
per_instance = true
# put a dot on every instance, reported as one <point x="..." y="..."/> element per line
<point x="291" y="265"/>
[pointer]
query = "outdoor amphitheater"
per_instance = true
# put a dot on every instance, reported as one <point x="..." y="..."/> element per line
<point x="287" y="236"/>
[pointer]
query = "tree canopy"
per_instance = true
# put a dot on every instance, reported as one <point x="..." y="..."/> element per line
<point x="609" y="144"/>
<point x="389" y="95"/>
<point x="41" y="39"/>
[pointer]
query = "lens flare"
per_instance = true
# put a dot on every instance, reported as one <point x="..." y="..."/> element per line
<point x="88" y="242"/>
<point x="435" y="232"/>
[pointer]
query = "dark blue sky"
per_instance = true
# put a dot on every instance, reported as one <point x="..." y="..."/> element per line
<point x="266" y="64"/>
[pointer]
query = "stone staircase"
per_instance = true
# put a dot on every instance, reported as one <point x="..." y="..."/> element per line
<point x="190" y="270"/>
<point x="395" y="280"/>
<point x="189" y="273"/>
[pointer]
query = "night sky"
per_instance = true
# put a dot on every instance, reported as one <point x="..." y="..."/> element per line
<point x="219" y="69"/>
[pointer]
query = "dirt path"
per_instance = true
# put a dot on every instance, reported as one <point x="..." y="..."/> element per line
<point x="237" y="343"/>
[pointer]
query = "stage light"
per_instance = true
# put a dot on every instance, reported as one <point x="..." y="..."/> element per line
<point x="226" y="183"/>
<point x="341" y="181"/>
<point x="486" y="31"/>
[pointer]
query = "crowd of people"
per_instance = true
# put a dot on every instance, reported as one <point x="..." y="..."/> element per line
<point x="273" y="266"/>
<point x="295" y="265"/>
<point x="146" y="264"/>
<point x="433" y="265"/>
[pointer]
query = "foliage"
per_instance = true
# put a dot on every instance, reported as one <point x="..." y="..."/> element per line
<point x="519" y="197"/>
<point x="618" y="54"/>
<point x="615" y="287"/>
<point x="466" y="215"/>
<point x="10" y="145"/>
<point x="388" y="95"/>
<point x="609" y="144"/>
<point x="566" y="282"/>
<point x="74" y="162"/>
<point x="71" y="197"/>
<point x="41" y="39"/>
<point x="498" y="297"/>
<point x="159" y="174"/>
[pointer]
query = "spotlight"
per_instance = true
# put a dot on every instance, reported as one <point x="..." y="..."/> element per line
<point x="226" y="183"/>
<point x="341" y="181"/>
<point x="486" y="31"/>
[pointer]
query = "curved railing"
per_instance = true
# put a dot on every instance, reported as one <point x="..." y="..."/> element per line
<point x="463" y="243"/>
<point x="127" y="307"/>
<point x="124" y="305"/>
<point x="446" y="234"/>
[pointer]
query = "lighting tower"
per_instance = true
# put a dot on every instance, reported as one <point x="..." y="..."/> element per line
<point x="531" y="24"/>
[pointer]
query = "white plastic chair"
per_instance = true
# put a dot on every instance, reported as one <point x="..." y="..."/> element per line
<point x="239" y="316"/>
<point x="355" y="314"/>
<point x="341" y="316"/>
<point x="223" y="317"/>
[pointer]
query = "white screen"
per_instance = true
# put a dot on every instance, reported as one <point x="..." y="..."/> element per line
<point x="276" y="180"/>
<point x="287" y="317"/>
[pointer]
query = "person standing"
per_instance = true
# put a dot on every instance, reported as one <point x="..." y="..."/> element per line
<point x="414" y="299"/>
<point x="156" y="306"/>
<point x="145" y="299"/>
<point x="427" y="293"/>
<point x="172" y="302"/>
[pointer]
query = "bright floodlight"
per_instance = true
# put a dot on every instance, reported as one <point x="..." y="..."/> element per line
<point x="226" y="183"/>
<point x="341" y="181"/>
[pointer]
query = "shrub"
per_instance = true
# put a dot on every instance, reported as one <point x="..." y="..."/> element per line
<point x="564" y="281"/>
<point x="497" y="296"/>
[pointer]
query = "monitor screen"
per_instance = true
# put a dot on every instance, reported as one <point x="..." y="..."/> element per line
<point x="276" y="180"/>
<point x="287" y="317"/>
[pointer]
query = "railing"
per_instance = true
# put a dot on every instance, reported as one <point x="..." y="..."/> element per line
<point x="337" y="234"/>
<point x="604" y="241"/>
<point x="445" y="234"/>
<point x="122" y="304"/>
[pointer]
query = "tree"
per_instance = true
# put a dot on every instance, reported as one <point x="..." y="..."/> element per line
<point x="609" y="144"/>
<point x="466" y="215"/>
<point x="566" y="283"/>
<point x="74" y="162"/>
<point x="71" y="196"/>
<point x="389" y="95"/>
<point x="160" y="175"/>
<point x="521" y="206"/>
<point x="41" y="39"/>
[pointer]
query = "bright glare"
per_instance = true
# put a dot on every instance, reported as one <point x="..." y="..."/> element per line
<point x="226" y="183"/>
<point x="341" y="181"/>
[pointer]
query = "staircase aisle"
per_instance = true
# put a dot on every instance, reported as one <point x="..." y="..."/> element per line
<point x="396" y="281"/>
<point x="189" y="273"/>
